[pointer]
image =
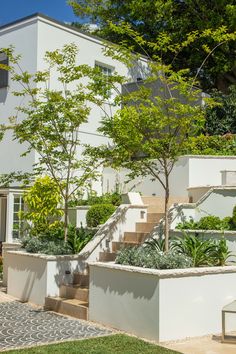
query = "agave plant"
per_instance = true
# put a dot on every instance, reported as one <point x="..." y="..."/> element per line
<point x="156" y="244"/>
<point x="222" y="253"/>
<point x="78" y="238"/>
<point x="202" y="252"/>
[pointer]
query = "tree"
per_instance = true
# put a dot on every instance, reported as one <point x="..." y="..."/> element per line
<point x="151" y="129"/>
<point x="221" y="119"/>
<point x="154" y="19"/>
<point x="50" y="122"/>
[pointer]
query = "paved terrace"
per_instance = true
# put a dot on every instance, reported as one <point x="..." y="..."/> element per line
<point x="22" y="325"/>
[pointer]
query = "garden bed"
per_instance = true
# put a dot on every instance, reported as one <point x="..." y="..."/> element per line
<point x="32" y="277"/>
<point x="161" y="305"/>
<point x="230" y="237"/>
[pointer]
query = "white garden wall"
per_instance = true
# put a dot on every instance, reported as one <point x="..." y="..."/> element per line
<point x="124" y="219"/>
<point x="218" y="201"/>
<point x="161" y="305"/>
<point x="189" y="172"/>
<point x="32" y="277"/>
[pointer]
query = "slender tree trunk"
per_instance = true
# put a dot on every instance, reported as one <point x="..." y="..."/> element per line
<point x="166" y="229"/>
<point x="66" y="220"/>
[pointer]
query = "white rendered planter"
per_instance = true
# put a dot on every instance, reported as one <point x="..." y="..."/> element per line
<point x="32" y="277"/>
<point x="161" y="305"/>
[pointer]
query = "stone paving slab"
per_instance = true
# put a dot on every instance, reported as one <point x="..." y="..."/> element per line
<point x="202" y="345"/>
<point x="22" y="325"/>
<point x="5" y="297"/>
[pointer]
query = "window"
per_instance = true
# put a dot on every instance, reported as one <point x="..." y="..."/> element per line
<point x="17" y="222"/>
<point x="3" y="72"/>
<point x="106" y="70"/>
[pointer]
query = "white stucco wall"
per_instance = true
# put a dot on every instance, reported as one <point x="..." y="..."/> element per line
<point x="31" y="38"/>
<point x="190" y="306"/>
<point x="179" y="181"/>
<point x="218" y="201"/>
<point x="32" y="277"/>
<point x="188" y="172"/>
<point x="23" y="37"/>
<point x="124" y="219"/>
<point x="53" y="36"/>
<point x="206" y="170"/>
<point x="128" y="301"/>
<point x="161" y="305"/>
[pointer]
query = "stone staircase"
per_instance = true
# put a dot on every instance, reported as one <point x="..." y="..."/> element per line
<point x="155" y="213"/>
<point x="74" y="298"/>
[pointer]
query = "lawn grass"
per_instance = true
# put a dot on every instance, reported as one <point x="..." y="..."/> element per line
<point x="114" y="344"/>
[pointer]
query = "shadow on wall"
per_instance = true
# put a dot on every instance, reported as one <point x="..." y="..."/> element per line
<point x="106" y="233"/>
<point x="65" y="270"/>
<point x="140" y="286"/>
<point x="3" y="95"/>
<point x="36" y="271"/>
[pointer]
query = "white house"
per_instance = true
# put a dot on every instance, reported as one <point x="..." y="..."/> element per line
<point x="31" y="37"/>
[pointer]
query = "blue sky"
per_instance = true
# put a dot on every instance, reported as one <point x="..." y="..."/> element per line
<point x="12" y="10"/>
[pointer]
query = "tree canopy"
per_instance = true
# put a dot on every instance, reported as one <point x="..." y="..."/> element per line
<point x="175" y="18"/>
<point x="49" y="122"/>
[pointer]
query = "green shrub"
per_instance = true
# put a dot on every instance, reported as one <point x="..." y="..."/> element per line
<point x="93" y="199"/>
<point x="78" y="238"/>
<point x="202" y="252"/>
<point x="187" y="225"/>
<point x="43" y="200"/>
<point x="221" y="253"/>
<point x="211" y="145"/>
<point x="1" y="266"/>
<point x="52" y="242"/>
<point x="234" y="217"/>
<point x="147" y="257"/>
<point x="99" y="213"/>
<point x="209" y="223"/>
<point x="156" y="244"/>
<point x="187" y="251"/>
<point x="55" y="248"/>
<point x="227" y="223"/>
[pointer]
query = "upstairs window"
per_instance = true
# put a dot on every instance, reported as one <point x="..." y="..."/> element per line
<point x="107" y="71"/>
<point x="104" y="69"/>
<point x="3" y="72"/>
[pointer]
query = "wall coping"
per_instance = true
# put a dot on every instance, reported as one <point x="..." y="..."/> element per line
<point x="222" y="186"/>
<point x="201" y="200"/>
<point x="131" y="206"/>
<point x="166" y="273"/>
<point x="210" y="156"/>
<point x="46" y="257"/>
<point x="220" y="232"/>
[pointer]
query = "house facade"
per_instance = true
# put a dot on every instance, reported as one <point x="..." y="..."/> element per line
<point x="31" y="38"/>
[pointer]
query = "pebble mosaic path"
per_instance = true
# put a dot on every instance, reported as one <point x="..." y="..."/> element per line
<point x="22" y="325"/>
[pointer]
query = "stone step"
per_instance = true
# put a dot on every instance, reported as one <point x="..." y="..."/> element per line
<point x="154" y="217"/>
<point x="69" y="307"/>
<point x="74" y="292"/>
<point x="81" y="279"/>
<point x="157" y="209"/>
<point x="138" y="237"/>
<point x="107" y="256"/>
<point x="145" y="226"/>
<point x="116" y="246"/>
<point x="151" y="200"/>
